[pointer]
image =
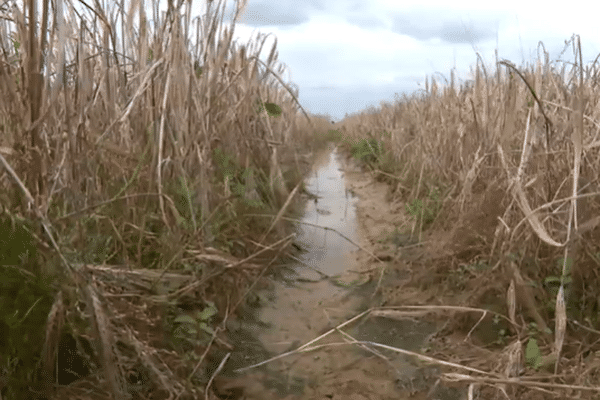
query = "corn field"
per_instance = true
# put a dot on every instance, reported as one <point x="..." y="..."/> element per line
<point x="155" y="142"/>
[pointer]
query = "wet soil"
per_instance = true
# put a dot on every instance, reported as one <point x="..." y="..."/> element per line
<point x="345" y="221"/>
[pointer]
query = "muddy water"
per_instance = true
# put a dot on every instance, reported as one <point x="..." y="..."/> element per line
<point x="319" y="292"/>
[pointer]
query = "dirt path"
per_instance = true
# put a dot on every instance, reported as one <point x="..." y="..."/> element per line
<point x="334" y="281"/>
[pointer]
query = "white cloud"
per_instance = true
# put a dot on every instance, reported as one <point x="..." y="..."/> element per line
<point x="347" y="54"/>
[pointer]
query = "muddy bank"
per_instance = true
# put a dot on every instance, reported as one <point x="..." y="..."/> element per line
<point x="346" y="220"/>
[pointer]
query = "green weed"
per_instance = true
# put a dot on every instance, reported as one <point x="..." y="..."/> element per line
<point x="191" y="331"/>
<point x="368" y="151"/>
<point x="425" y="211"/>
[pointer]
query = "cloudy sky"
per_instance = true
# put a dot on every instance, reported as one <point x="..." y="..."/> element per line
<point x="347" y="55"/>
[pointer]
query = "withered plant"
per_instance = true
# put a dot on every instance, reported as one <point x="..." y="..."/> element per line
<point x="140" y="141"/>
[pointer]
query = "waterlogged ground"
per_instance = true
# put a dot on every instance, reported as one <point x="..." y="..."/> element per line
<point x="328" y="285"/>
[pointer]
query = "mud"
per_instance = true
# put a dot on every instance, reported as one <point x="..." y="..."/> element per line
<point x="328" y="285"/>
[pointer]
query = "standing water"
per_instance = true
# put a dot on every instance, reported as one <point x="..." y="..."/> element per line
<point x="318" y="293"/>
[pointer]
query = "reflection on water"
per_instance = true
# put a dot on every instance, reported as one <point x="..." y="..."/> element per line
<point x="293" y="314"/>
<point x="335" y="209"/>
<point x="300" y="312"/>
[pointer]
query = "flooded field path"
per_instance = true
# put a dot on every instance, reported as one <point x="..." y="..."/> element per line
<point x="326" y="287"/>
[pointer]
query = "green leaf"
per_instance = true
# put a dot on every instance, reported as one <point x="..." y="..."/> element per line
<point x="208" y="312"/>
<point x="552" y="279"/>
<point x="185" y="319"/>
<point x="191" y="331"/>
<point x="532" y="354"/>
<point x="207" y="328"/>
<point x="16" y="43"/>
<point x="273" y="109"/>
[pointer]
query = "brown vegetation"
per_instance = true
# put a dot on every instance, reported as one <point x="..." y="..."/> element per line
<point x="508" y="167"/>
<point x="140" y="157"/>
<point x="143" y="142"/>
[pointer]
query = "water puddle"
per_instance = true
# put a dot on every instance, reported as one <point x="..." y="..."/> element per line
<point x="316" y="294"/>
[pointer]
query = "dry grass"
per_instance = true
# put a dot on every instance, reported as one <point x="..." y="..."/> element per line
<point x="515" y="155"/>
<point x="139" y="140"/>
<point x="150" y="141"/>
